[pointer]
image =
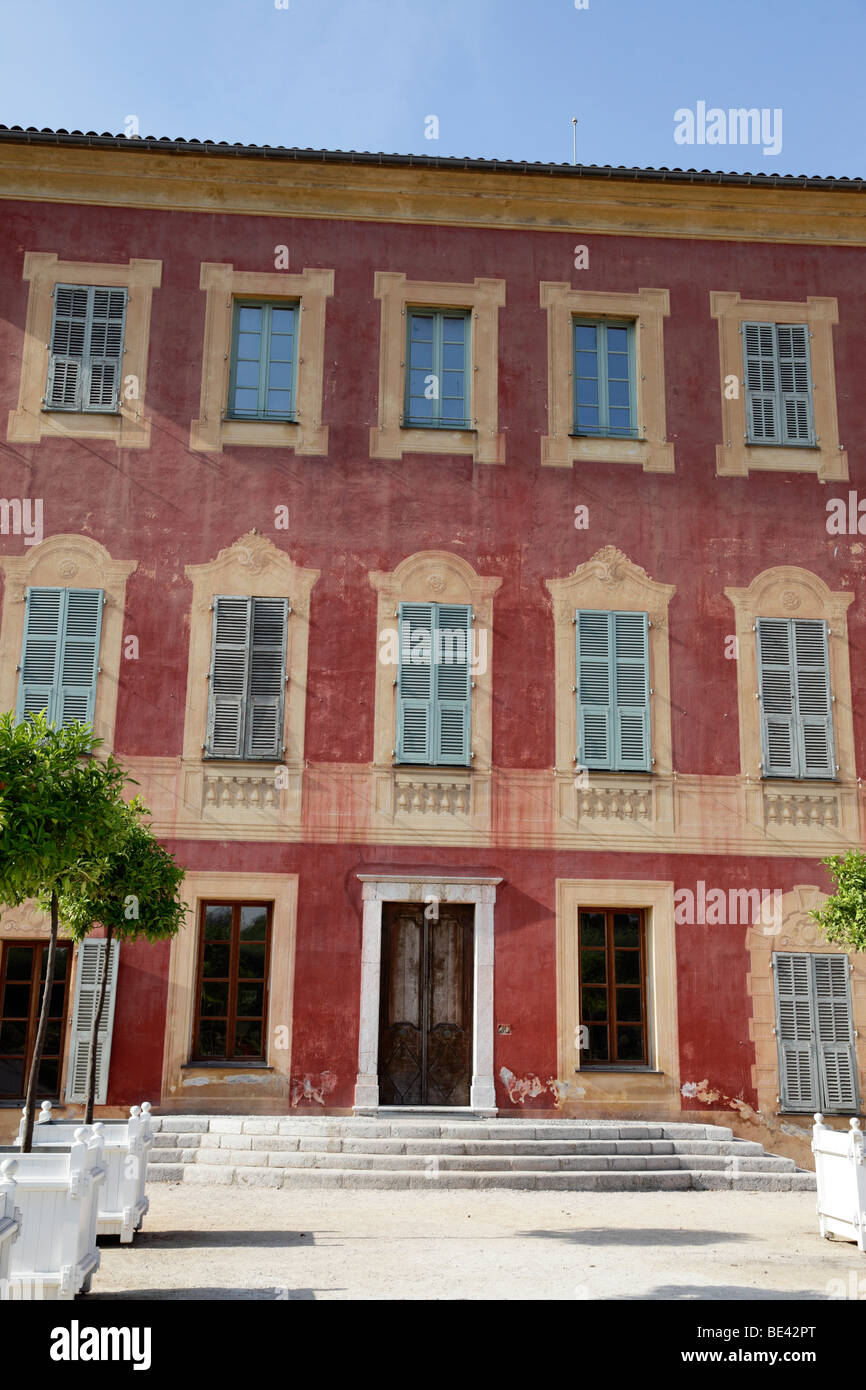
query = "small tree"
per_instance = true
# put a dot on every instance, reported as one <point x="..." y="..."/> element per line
<point x="63" y="813"/>
<point x="134" y="895"/>
<point x="843" y="917"/>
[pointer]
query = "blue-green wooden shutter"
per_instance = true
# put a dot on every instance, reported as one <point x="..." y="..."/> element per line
<point x="834" y="1029"/>
<point x="79" y="662"/>
<point x="105" y="351"/>
<point x="66" y="367"/>
<point x="40" y="656"/>
<point x="87" y="334"/>
<point x="776" y="688"/>
<point x="595" y="713"/>
<point x="415" y="689"/>
<point x="814" y="707"/>
<point x="795" y="383"/>
<point x="631" y="676"/>
<point x="60" y="656"/>
<point x="228" y="677"/>
<point x="267" y="678"/>
<point x="452" y="684"/>
<point x="760" y="369"/>
<point x="798" y="1062"/>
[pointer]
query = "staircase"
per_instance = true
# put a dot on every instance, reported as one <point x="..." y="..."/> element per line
<point x="446" y="1151"/>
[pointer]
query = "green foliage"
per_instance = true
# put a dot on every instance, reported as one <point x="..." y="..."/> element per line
<point x="843" y="917"/>
<point x="62" y="808"/>
<point x="133" y="890"/>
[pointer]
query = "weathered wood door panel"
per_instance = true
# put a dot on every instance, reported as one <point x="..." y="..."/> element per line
<point x="425" y="1032"/>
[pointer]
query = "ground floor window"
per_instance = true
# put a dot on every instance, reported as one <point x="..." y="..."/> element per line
<point x="22" y="973"/>
<point x="815" y="1032"/>
<point x="232" y="989"/>
<point x="612" y="946"/>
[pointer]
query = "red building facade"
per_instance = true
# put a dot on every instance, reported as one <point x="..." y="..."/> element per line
<point x="603" y="428"/>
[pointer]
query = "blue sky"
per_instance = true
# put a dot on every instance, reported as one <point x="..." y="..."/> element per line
<point x="504" y="77"/>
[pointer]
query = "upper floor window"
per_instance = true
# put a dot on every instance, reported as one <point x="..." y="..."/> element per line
<point x="433" y="684"/>
<point x="264" y="361"/>
<point x="613" y="690"/>
<point x="796" y="717"/>
<point x="437" y="380"/>
<point x="778" y="373"/>
<point x="87" y="333"/>
<point x="247" y="678"/>
<point x="605" y="394"/>
<point x="60" y="655"/>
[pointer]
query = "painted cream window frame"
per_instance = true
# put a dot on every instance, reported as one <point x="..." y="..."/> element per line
<point x="129" y="426"/>
<point x="433" y="576"/>
<point x="610" y="581"/>
<point x="202" y="885"/>
<point x="310" y="290"/>
<point x="67" y="562"/>
<point x="798" y="933"/>
<point x="787" y="591"/>
<point x="389" y="438"/>
<point x="736" y="457"/>
<point x="647" y="309"/>
<point x="253" y="567"/>
<point x="656" y="899"/>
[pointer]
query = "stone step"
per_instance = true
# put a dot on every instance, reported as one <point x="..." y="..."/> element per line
<point x="506" y="1147"/>
<point x="483" y="1130"/>
<point x="580" y="1181"/>
<point x="249" y="1158"/>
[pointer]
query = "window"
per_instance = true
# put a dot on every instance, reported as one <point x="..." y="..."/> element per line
<point x="22" y="972"/>
<point x="433" y="684"/>
<point x="264" y="362"/>
<point x="815" y="1032"/>
<point x="437" y="393"/>
<point x="778" y="374"/>
<point x="796" y="718"/>
<point x="86" y="359"/>
<point x="613" y="694"/>
<point x="60" y="655"/>
<point x="247" y="678"/>
<point x="613" y="987"/>
<point x="234" y="952"/>
<point x="604" y="379"/>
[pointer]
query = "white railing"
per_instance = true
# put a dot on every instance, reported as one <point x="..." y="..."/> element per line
<point x="126" y="1148"/>
<point x="57" y="1192"/>
<point x="10" y="1217"/>
<point x="840" y="1168"/>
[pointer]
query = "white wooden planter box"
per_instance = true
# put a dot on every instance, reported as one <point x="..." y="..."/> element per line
<point x="126" y="1148"/>
<point x="57" y="1193"/>
<point x="10" y="1218"/>
<point x="840" y="1168"/>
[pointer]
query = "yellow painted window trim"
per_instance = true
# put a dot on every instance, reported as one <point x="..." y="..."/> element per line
<point x="211" y="432"/>
<point x="798" y="933"/>
<point x="734" y="457"/>
<point x="198" y="886"/>
<point x="67" y="562"/>
<point x="611" y="581"/>
<point x="483" y="298"/>
<point x="787" y="591"/>
<point x="656" y="898"/>
<point x="252" y="567"/>
<point x="648" y="308"/>
<point x="129" y="428"/>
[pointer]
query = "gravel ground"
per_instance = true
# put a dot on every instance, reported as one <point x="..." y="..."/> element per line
<point x="230" y="1243"/>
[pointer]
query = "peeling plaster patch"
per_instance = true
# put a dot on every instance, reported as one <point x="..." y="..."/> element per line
<point x="243" y="1077"/>
<point x="796" y="1131"/>
<point x="701" y="1090"/>
<point x="565" y="1090"/>
<point x="689" y="1089"/>
<point x="521" y="1088"/>
<point x="303" y="1088"/>
<point x="196" y="1081"/>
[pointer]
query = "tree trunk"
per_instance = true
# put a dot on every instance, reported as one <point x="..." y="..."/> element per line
<point x="91" y="1061"/>
<point x="30" y="1101"/>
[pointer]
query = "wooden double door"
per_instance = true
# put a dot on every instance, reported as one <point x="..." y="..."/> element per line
<point x="425" y="1020"/>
